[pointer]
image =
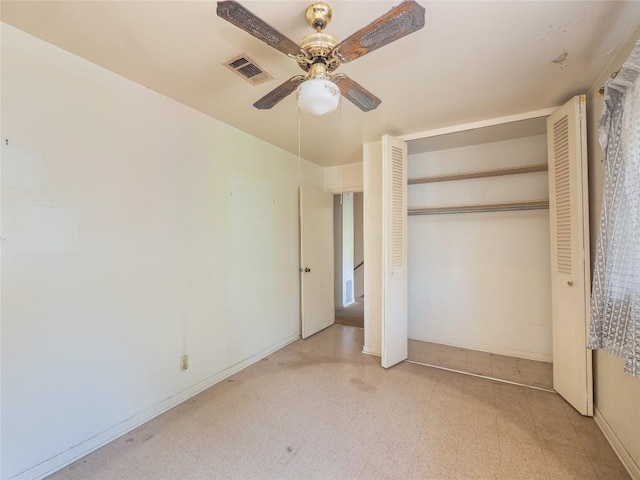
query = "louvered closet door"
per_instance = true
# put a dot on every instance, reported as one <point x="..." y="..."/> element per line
<point x="570" y="277"/>
<point x="394" y="251"/>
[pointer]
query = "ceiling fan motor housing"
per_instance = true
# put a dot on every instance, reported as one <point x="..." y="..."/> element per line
<point x="318" y="48"/>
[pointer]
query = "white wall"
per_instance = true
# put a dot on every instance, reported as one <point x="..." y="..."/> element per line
<point x="372" y="180"/>
<point x="617" y="395"/>
<point x="347" y="249"/>
<point x="337" y="251"/>
<point x="481" y="280"/>
<point x="343" y="234"/>
<point x="135" y="230"/>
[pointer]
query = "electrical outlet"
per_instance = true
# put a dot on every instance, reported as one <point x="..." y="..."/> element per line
<point x="184" y="362"/>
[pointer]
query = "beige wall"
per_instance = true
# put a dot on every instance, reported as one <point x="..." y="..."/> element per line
<point x="617" y="395"/>
<point x="344" y="178"/>
<point x="135" y="230"/>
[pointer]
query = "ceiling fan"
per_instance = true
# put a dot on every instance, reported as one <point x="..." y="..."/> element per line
<point x="320" y="54"/>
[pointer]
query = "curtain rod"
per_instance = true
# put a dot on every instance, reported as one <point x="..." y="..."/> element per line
<point x="613" y="75"/>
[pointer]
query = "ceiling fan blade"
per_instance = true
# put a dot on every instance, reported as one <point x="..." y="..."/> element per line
<point x="278" y="93"/>
<point x="235" y="13"/>
<point x="356" y="93"/>
<point x="401" y="20"/>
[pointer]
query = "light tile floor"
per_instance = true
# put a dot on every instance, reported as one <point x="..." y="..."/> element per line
<point x="503" y="367"/>
<point x="320" y="409"/>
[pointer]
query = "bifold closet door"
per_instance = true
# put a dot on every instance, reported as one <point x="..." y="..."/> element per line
<point x="394" y="251"/>
<point x="570" y="273"/>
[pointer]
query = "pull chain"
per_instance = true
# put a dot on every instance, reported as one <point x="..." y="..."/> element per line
<point x="341" y="189"/>
<point x="299" y="158"/>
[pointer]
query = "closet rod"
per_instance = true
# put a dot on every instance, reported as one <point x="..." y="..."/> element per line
<point x="498" y="172"/>
<point x="487" y="207"/>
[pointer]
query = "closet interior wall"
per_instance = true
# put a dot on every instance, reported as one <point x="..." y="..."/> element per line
<point x="480" y="280"/>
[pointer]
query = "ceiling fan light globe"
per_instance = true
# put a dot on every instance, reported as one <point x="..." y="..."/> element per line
<point x="318" y="96"/>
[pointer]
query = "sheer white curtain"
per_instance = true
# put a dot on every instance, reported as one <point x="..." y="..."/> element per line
<point x="615" y="300"/>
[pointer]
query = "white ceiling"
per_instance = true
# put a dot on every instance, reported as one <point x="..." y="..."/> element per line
<point x="472" y="61"/>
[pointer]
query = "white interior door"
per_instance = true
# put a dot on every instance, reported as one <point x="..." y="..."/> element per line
<point x="394" y="251"/>
<point x="316" y="260"/>
<point x="570" y="273"/>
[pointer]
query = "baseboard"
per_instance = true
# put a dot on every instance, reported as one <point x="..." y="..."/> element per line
<point x="372" y="351"/>
<point x="510" y="352"/>
<point x="622" y="453"/>
<point x="69" y="456"/>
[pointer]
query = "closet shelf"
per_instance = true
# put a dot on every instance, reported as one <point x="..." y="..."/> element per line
<point x="540" y="167"/>
<point x="487" y="207"/>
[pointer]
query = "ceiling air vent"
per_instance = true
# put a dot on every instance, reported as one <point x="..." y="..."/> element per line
<point x="244" y="66"/>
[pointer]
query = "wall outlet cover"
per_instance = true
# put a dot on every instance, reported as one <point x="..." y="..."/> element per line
<point x="184" y="362"/>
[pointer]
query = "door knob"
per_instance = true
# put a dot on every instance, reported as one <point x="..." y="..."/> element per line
<point x="570" y="283"/>
<point x="307" y="269"/>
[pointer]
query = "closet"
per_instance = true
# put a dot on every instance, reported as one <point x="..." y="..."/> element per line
<point x="495" y="249"/>
<point x="478" y="240"/>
